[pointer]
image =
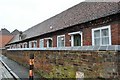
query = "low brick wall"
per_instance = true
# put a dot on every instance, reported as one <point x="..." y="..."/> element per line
<point x="2" y="51"/>
<point x="65" y="64"/>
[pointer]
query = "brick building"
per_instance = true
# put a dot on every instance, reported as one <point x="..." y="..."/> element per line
<point x="85" y="24"/>
<point x="6" y="36"/>
<point x="81" y="42"/>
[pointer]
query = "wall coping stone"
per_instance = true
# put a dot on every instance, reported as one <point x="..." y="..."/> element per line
<point x="77" y="48"/>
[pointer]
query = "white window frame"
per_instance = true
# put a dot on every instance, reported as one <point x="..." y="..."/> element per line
<point x="14" y="46"/>
<point x="25" y="44"/>
<point x="30" y="44"/>
<point x="40" y="42"/>
<point x="72" y="37"/>
<point x="100" y="28"/>
<point x="22" y="45"/>
<point x="61" y="36"/>
<point x="34" y="46"/>
<point x="10" y="46"/>
<point x="48" y="42"/>
<point x="17" y="46"/>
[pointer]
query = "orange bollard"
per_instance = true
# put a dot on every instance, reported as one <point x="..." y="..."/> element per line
<point x="31" y="63"/>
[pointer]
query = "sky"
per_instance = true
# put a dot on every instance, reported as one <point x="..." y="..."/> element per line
<point x="23" y="14"/>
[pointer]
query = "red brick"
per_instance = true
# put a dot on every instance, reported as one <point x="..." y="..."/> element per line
<point x="54" y="41"/>
<point x="87" y="38"/>
<point x="38" y="41"/>
<point x="114" y="33"/>
<point x="45" y="43"/>
<point x="67" y="40"/>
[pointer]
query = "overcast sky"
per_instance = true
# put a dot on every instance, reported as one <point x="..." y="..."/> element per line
<point x="23" y="14"/>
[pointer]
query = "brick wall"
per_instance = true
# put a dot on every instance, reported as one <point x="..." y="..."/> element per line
<point x="38" y="43"/>
<point x="119" y="33"/>
<point x="67" y="40"/>
<point x="4" y="39"/>
<point x="45" y="43"/>
<point x="32" y="44"/>
<point x="87" y="36"/>
<point x="65" y="64"/>
<point x="115" y="33"/>
<point x="54" y="41"/>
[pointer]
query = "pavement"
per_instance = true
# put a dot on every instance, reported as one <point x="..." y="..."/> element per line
<point x="17" y="69"/>
<point x="4" y="73"/>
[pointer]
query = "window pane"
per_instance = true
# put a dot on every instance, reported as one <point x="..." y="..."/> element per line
<point x="77" y="40"/>
<point x="105" y="40"/>
<point x="59" y="39"/>
<point x="105" y="32"/>
<point x="30" y="44"/>
<point x="61" y="42"/>
<point x="97" y="33"/>
<point x="50" y="42"/>
<point x="97" y="41"/>
<point x="58" y="42"/>
<point x="35" y="44"/>
<point x="41" y="43"/>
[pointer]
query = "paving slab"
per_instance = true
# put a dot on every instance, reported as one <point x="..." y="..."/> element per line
<point x="4" y="73"/>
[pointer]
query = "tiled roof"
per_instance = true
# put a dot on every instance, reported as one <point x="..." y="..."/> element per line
<point x="15" y="32"/>
<point x="81" y="13"/>
<point x="4" y="32"/>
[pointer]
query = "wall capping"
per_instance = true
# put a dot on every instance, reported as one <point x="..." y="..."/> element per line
<point x="78" y="48"/>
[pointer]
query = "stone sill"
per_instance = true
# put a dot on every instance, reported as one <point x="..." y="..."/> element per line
<point x="79" y="48"/>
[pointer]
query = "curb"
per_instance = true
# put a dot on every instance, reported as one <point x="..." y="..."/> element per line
<point x="10" y="71"/>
